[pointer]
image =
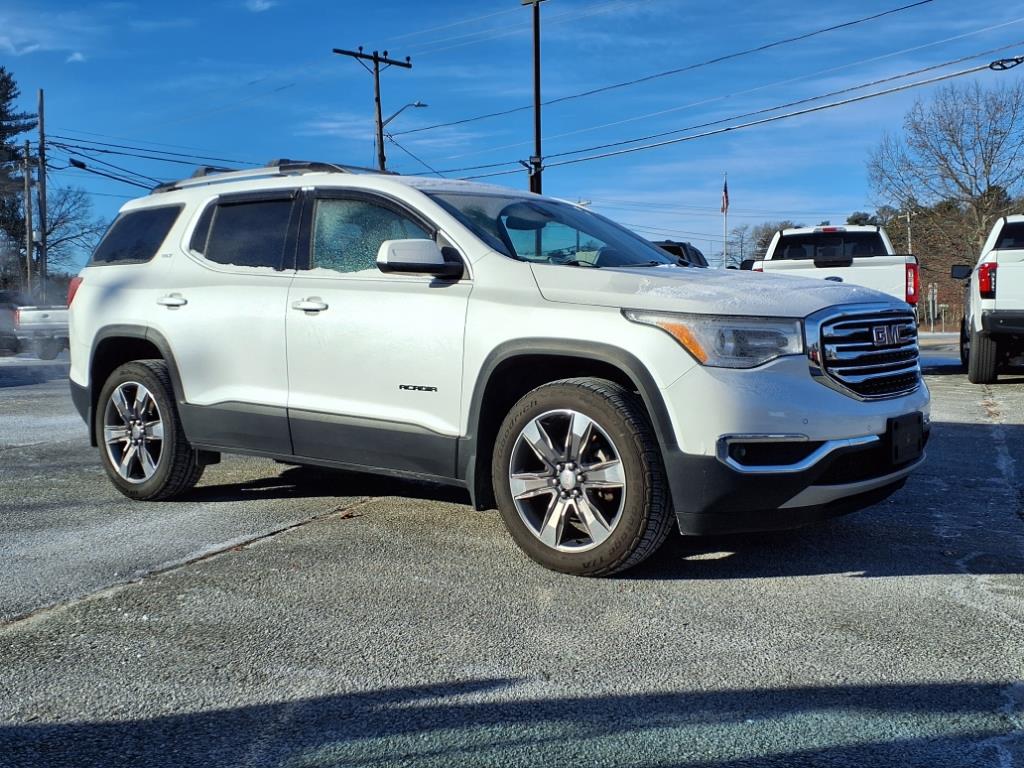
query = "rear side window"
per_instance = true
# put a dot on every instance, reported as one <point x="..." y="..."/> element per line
<point x="136" y="236"/>
<point x="824" y="246"/>
<point x="248" y="234"/>
<point x="1011" y="238"/>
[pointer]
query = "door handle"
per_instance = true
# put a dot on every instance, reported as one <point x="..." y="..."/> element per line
<point x="172" y="300"/>
<point x="312" y="305"/>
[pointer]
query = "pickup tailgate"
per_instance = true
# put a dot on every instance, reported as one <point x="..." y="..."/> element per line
<point x="42" y="320"/>
<point x="887" y="274"/>
<point x="1010" y="280"/>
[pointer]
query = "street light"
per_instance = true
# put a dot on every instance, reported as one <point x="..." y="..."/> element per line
<point x="416" y="103"/>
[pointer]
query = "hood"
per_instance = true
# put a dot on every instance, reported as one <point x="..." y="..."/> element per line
<point x="699" y="291"/>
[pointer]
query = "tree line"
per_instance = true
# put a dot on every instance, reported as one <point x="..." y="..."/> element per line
<point x="72" y="230"/>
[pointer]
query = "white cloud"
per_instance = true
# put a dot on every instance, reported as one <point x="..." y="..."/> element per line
<point x="259" y="6"/>
<point x="75" y="58"/>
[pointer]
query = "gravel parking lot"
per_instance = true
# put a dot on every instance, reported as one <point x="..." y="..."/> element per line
<point x="280" y="616"/>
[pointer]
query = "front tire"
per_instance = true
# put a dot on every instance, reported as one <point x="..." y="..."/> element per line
<point x="981" y="361"/>
<point x="579" y="479"/>
<point x="965" y="344"/>
<point x="142" y="444"/>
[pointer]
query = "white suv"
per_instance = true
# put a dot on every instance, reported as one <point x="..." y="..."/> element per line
<point x="549" y="361"/>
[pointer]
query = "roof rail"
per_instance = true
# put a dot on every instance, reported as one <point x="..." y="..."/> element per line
<point x="206" y="174"/>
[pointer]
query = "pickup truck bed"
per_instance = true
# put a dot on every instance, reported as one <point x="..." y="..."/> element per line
<point x="43" y="328"/>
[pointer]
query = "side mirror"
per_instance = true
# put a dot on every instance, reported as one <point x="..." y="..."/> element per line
<point x="960" y="271"/>
<point x="421" y="257"/>
<point x="747" y="264"/>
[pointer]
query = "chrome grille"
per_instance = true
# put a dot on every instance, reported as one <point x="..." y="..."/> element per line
<point x="867" y="353"/>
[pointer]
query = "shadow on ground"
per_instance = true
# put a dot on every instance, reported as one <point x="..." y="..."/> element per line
<point x="461" y="723"/>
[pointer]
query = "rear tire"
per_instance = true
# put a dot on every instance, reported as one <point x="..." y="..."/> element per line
<point x="591" y="498"/>
<point x="48" y="349"/>
<point x="142" y="445"/>
<point x="981" y="363"/>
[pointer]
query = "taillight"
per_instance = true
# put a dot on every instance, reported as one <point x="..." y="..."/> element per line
<point x="758" y="266"/>
<point x="73" y="288"/>
<point x="17" y="317"/>
<point x="987" y="280"/>
<point x="913" y="283"/>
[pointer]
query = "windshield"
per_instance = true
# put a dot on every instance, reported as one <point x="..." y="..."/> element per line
<point x="822" y="246"/>
<point x="549" y="232"/>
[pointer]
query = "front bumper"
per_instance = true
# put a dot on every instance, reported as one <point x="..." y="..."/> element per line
<point x="711" y="497"/>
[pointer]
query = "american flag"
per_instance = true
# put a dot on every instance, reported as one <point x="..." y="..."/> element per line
<point x="725" y="196"/>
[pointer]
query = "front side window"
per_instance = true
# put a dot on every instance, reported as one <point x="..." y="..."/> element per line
<point x="347" y="234"/>
<point x="550" y="232"/>
<point x="135" y="236"/>
<point x="248" y="234"/>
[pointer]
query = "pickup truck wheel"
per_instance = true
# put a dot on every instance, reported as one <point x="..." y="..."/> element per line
<point x="48" y="349"/>
<point x="579" y="478"/>
<point x="981" y="361"/>
<point x="143" y="446"/>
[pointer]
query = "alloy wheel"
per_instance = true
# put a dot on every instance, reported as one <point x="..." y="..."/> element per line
<point x="567" y="480"/>
<point x="133" y="432"/>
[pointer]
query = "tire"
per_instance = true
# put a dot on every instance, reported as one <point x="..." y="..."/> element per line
<point x="562" y="518"/>
<point x="162" y="464"/>
<point x="981" y="362"/>
<point x="965" y="344"/>
<point x="48" y="349"/>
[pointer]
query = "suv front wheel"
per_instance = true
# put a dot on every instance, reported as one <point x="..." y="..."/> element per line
<point x="143" y="446"/>
<point x="579" y="480"/>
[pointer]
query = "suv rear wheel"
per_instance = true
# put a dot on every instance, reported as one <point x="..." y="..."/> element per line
<point x="579" y="478"/>
<point x="144" y="449"/>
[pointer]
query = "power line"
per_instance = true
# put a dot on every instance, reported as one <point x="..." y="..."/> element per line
<point x="455" y="24"/>
<point x="795" y="103"/>
<point x="678" y="70"/>
<point x="110" y="165"/>
<point x="763" y="121"/>
<point x="419" y="160"/>
<point x="153" y="144"/>
<point x="80" y="142"/>
<point x="727" y="96"/>
<point x="487" y="35"/>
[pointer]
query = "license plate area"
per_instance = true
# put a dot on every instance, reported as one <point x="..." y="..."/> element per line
<point x="906" y="437"/>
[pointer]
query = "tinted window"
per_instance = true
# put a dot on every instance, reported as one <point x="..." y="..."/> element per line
<point x="1012" y="237"/>
<point x="249" y="234"/>
<point x="830" y="245"/>
<point x="347" y="233"/>
<point x="136" y="236"/>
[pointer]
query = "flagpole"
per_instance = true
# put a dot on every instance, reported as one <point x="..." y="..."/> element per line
<point x="725" y="222"/>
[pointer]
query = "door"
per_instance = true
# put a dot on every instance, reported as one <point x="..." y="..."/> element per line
<point x="374" y="359"/>
<point x="223" y="315"/>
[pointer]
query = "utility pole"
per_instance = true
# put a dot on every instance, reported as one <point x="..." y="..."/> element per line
<point x="26" y="174"/>
<point x="44" y="266"/>
<point x="537" y="161"/>
<point x="377" y="60"/>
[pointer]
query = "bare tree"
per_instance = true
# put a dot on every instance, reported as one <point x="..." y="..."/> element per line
<point x="964" y="149"/>
<point x="71" y="230"/>
<point x="761" y="236"/>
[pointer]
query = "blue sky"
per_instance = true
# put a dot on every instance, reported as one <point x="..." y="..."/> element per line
<point x="250" y="80"/>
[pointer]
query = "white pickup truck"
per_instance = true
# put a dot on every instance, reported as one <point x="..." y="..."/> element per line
<point x="992" y="331"/>
<point x="43" y="330"/>
<point x="858" y="255"/>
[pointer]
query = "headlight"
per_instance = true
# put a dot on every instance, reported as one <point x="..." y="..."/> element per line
<point x="725" y="341"/>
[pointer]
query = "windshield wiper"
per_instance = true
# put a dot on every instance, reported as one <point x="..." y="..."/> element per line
<point x="651" y="264"/>
<point x="578" y="263"/>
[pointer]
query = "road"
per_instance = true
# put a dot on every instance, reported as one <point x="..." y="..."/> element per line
<point x="281" y="616"/>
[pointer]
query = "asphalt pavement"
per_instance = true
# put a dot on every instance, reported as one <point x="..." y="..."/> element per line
<point x="279" y="616"/>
